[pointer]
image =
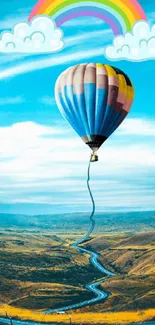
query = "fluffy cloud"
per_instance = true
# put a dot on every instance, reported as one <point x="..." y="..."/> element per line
<point x="29" y="150"/>
<point x="137" y="126"/>
<point x="41" y="165"/>
<point x="136" y="46"/>
<point x="41" y="36"/>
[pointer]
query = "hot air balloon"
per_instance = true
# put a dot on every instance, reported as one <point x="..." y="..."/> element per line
<point x="94" y="99"/>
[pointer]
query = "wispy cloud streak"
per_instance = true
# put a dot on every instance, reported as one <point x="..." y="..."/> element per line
<point x="44" y="63"/>
<point x="11" y="100"/>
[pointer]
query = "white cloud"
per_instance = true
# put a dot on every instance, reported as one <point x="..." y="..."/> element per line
<point x="41" y="36"/>
<point x="47" y="100"/>
<point x="33" y="151"/>
<point x="48" y="62"/>
<point x="137" y="126"/>
<point x="28" y="130"/>
<point x="11" y="100"/>
<point x="41" y="164"/>
<point x="136" y="46"/>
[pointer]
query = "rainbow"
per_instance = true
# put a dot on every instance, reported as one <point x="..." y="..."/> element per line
<point x="120" y="15"/>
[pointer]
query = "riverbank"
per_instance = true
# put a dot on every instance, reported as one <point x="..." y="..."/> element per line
<point x="39" y="271"/>
<point x="80" y="318"/>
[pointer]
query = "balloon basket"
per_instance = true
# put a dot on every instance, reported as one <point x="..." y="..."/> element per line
<point x="94" y="157"/>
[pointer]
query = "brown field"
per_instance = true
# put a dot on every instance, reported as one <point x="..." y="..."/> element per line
<point x="36" y="268"/>
<point x="81" y="318"/>
<point x="132" y="258"/>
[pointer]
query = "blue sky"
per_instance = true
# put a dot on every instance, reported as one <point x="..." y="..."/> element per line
<point x="43" y="162"/>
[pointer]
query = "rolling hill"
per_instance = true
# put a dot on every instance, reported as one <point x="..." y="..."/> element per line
<point x="112" y="222"/>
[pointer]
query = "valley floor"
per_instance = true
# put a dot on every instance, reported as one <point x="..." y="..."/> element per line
<point x="37" y="267"/>
<point x="83" y="318"/>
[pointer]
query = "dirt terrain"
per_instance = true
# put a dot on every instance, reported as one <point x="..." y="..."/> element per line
<point x="36" y="267"/>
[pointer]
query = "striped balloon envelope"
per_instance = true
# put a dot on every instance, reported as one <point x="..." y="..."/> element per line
<point x="94" y="99"/>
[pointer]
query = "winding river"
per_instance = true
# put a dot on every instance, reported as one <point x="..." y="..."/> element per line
<point x="93" y="287"/>
<point x="18" y="322"/>
<point x="99" y="294"/>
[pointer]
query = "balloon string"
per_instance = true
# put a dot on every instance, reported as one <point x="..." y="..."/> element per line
<point x="91" y="218"/>
<point x="93" y="203"/>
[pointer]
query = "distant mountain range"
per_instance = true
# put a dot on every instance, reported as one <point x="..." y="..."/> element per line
<point x="131" y="221"/>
